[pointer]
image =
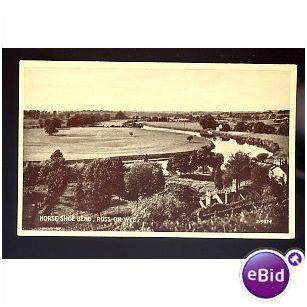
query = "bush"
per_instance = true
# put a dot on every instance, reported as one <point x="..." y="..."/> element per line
<point x="102" y="179"/>
<point x="190" y="138"/>
<point x="184" y="193"/>
<point x="160" y="212"/>
<point x="144" y="179"/>
<point x="30" y="173"/>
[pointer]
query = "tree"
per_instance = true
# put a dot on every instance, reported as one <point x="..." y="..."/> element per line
<point x="262" y="156"/>
<point x="102" y="179"/>
<point x="171" y="168"/>
<point x="193" y="161"/>
<point x="259" y="176"/>
<point x="240" y="126"/>
<point x="146" y="158"/>
<point x="57" y="122"/>
<point x="180" y="162"/>
<point x="120" y="115"/>
<point x="41" y="123"/>
<point x="50" y="127"/>
<point x="260" y="127"/>
<point x="207" y="121"/>
<point x="30" y="173"/>
<point x="283" y="128"/>
<point x="225" y="127"/>
<point x="131" y="133"/>
<point x="216" y="160"/>
<point x="278" y="191"/>
<point x="204" y="155"/>
<point x="55" y="174"/>
<point x="144" y="179"/>
<point x="218" y="178"/>
<point x="190" y="138"/>
<point x="105" y="117"/>
<point x="79" y="195"/>
<point x="237" y="167"/>
<point x="56" y="161"/>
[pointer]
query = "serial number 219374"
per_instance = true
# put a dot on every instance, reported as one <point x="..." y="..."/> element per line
<point x="265" y="221"/>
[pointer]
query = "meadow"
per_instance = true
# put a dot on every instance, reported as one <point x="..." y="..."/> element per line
<point x="192" y="126"/>
<point x="101" y="142"/>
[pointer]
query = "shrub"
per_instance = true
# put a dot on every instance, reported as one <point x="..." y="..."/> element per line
<point x="144" y="179"/>
<point x="102" y="179"/>
<point x="160" y="212"/>
<point x="30" y="173"/>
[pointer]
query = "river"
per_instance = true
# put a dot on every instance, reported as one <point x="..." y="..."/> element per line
<point x="227" y="147"/>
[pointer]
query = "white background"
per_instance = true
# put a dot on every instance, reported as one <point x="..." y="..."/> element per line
<point x="144" y="24"/>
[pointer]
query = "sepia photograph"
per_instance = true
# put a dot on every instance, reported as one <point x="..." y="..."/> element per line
<point x="149" y="149"/>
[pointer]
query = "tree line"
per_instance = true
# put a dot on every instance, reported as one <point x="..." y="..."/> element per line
<point x="97" y="182"/>
<point x="208" y="122"/>
<point x="52" y="124"/>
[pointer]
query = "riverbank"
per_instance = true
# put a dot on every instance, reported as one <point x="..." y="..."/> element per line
<point x="274" y="143"/>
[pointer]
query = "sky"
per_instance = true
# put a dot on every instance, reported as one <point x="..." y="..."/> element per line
<point x="153" y="87"/>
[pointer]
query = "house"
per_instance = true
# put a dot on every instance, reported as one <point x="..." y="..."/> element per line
<point x="219" y="127"/>
<point x="279" y="173"/>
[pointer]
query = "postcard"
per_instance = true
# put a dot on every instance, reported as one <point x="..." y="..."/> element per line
<point x="137" y="149"/>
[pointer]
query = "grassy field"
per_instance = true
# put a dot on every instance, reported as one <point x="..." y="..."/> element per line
<point x="89" y="142"/>
<point x="194" y="126"/>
